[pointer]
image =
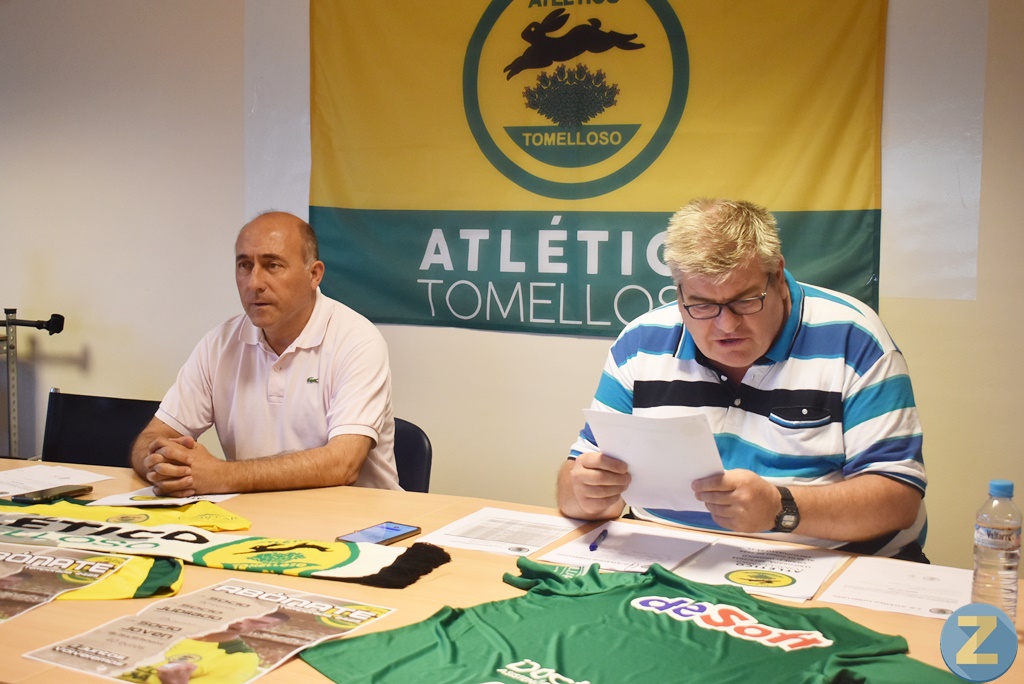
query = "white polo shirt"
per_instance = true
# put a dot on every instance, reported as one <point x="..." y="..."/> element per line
<point x="334" y="379"/>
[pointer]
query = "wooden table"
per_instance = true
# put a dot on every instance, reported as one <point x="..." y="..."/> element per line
<point x="472" y="577"/>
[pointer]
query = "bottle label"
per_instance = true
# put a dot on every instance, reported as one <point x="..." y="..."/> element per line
<point x="1005" y="538"/>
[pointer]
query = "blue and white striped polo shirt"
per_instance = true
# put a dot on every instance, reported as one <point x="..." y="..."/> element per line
<point x="830" y="400"/>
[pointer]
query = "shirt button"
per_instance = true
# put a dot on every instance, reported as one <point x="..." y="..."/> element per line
<point x="736" y="402"/>
<point x="722" y="378"/>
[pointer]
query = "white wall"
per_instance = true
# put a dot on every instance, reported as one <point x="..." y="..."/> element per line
<point x="121" y="189"/>
<point x="133" y="146"/>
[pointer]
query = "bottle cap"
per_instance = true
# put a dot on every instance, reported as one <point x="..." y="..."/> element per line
<point x="1002" y="489"/>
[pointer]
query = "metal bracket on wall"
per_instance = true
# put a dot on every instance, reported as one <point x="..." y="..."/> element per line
<point x="9" y="345"/>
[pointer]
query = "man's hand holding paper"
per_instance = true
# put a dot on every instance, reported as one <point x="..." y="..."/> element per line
<point x="664" y="456"/>
<point x="738" y="500"/>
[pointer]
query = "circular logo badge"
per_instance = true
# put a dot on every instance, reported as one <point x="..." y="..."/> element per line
<point x="978" y="642"/>
<point x="759" y="578"/>
<point x="285" y="556"/>
<point x="574" y="103"/>
<point x="129" y="518"/>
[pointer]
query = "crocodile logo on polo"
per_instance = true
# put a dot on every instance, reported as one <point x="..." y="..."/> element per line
<point x="575" y="103"/>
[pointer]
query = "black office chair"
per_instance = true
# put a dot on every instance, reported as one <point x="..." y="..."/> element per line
<point x="93" y="430"/>
<point x="413" y="456"/>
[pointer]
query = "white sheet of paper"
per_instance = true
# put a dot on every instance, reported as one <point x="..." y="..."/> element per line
<point x="664" y="455"/>
<point x="501" y="531"/>
<point x="765" y="569"/>
<point x="628" y="548"/>
<point x="901" y="587"/>
<point x="147" y="497"/>
<point x="31" y="478"/>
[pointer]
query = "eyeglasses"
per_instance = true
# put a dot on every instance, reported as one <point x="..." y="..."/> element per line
<point x="740" y="307"/>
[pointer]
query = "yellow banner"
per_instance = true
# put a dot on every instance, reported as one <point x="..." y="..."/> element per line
<point x="779" y="102"/>
<point x="511" y="165"/>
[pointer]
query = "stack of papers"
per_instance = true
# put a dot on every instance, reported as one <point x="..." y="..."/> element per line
<point x="628" y="548"/>
<point x="148" y="497"/>
<point x="37" y="477"/>
<point x="501" y="531"/>
<point x="790" y="572"/>
<point x="901" y="587"/>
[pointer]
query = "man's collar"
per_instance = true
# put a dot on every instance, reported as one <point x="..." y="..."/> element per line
<point x="316" y="327"/>
<point x="779" y="351"/>
<point x="312" y="334"/>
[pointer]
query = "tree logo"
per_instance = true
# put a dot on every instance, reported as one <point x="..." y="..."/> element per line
<point x="573" y="104"/>
<point x="760" y="578"/>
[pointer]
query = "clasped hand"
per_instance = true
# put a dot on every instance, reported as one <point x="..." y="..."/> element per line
<point x="175" y="466"/>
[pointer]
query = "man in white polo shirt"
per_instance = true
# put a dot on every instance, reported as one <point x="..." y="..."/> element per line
<point x="298" y="387"/>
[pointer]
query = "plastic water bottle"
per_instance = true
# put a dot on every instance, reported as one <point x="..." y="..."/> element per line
<point x="997" y="549"/>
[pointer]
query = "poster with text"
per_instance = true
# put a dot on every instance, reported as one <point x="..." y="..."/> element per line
<point x="512" y="165"/>
<point x="234" y="631"/>
<point x="31" y="576"/>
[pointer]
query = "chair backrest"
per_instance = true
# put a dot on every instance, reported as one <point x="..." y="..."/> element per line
<point x="413" y="456"/>
<point x="93" y="430"/>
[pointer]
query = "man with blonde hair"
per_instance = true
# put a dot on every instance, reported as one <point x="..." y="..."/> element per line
<point x="808" y="397"/>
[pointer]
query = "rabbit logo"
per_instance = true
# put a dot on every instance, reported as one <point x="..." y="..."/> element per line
<point x="573" y="104"/>
<point x="545" y="49"/>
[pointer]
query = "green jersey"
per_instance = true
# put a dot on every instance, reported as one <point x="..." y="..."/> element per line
<point x="600" y="628"/>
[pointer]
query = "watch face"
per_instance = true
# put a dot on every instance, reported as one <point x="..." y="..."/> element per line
<point x="788" y="521"/>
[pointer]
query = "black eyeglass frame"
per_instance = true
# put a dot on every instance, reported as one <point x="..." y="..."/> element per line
<point x="729" y="305"/>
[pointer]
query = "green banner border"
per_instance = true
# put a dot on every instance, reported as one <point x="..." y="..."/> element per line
<point x="373" y="260"/>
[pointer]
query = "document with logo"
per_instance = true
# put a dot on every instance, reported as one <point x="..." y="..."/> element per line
<point x="790" y="572"/>
<point x="900" y="586"/>
<point x="664" y="455"/>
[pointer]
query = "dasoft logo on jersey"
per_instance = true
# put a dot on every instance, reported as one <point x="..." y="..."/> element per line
<point x="531" y="671"/>
<point x="732" y="621"/>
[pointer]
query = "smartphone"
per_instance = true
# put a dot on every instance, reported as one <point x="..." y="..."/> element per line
<point x="381" y="533"/>
<point x="51" y="494"/>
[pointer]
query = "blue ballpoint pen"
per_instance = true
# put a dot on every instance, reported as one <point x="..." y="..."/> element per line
<point x="600" y="538"/>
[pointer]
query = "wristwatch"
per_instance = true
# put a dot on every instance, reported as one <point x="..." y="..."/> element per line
<point x="789" y="517"/>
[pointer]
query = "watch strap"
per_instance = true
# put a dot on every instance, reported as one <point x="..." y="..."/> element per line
<point x="789" y="517"/>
